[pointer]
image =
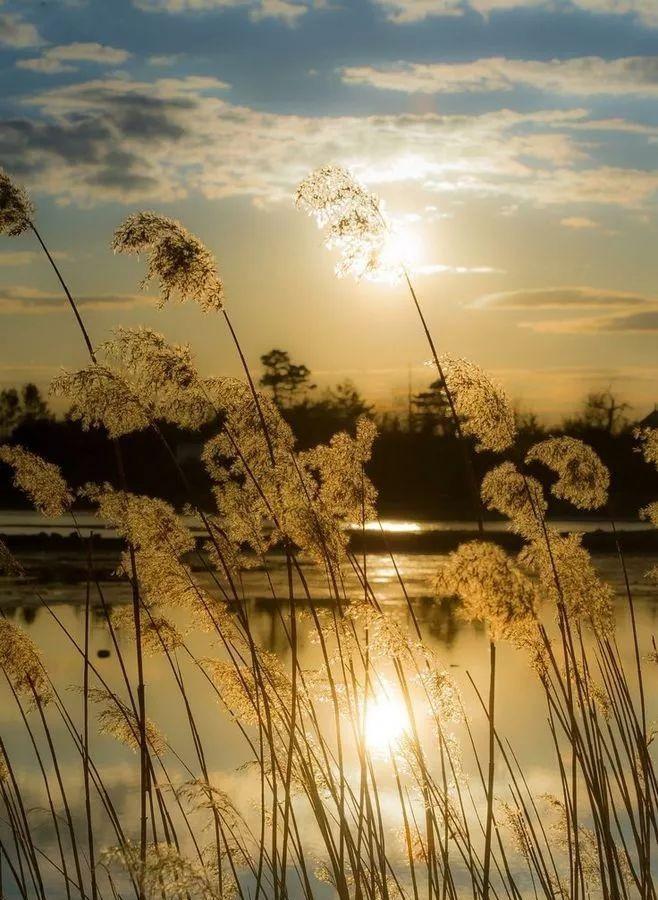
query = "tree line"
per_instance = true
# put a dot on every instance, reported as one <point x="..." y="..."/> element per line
<point x="417" y="463"/>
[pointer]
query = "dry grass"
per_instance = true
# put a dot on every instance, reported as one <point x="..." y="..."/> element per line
<point x="378" y="717"/>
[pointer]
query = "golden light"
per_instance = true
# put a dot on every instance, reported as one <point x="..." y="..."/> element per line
<point x="402" y="248"/>
<point x="385" y="723"/>
<point x="392" y="526"/>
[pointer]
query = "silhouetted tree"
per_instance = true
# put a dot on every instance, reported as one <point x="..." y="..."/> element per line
<point x="10" y="405"/>
<point x="602" y="411"/>
<point x="287" y="380"/>
<point x="529" y="430"/>
<point x="347" y="402"/>
<point x="16" y="409"/>
<point x="33" y="405"/>
<point x="430" y="413"/>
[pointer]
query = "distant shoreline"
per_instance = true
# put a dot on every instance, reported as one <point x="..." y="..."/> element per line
<point x="68" y="553"/>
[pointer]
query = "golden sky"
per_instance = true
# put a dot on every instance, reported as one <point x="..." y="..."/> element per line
<point x="512" y="141"/>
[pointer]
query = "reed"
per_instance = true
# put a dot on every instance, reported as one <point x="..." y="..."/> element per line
<point x="371" y="780"/>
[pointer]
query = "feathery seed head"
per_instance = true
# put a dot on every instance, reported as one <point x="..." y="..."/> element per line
<point x="178" y="260"/>
<point x="650" y="513"/>
<point x="21" y="662"/>
<point x="147" y="354"/>
<point x="16" y="208"/>
<point x="165" y="872"/>
<point x="200" y="794"/>
<point x="162" y="375"/>
<point x="648" y="438"/>
<point x="332" y="190"/>
<point x="247" y="443"/>
<point x="519" y="498"/>
<point x="9" y="565"/>
<point x="40" y="480"/>
<point x="343" y="487"/>
<point x="157" y="633"/>
<point x="583" y="479"/>
<point x="147" y="523"/>
<point x="100" y="396"/>
<point x="354" y="223"/>
<point x="442" y="695"/>
<point x="491" y="587"/>
<point x="567" y="576"/>
<point x="119" y="721"/>
<point x="514" y="820"/>
<point x="239" y="688"/>
<point x="482" y="405"/>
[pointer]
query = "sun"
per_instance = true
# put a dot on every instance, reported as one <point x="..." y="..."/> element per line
<point x="401" y="249"/>
<point x="386" y="722"/>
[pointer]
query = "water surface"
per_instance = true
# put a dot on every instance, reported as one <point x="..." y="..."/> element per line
<point x="460" y="648"/>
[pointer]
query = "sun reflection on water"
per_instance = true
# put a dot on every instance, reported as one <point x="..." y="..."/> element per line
<point x="392" y="526"/>
<point x="386" y="721"/>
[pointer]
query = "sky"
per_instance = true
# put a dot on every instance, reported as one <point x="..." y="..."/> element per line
<point x="514" y="144"/>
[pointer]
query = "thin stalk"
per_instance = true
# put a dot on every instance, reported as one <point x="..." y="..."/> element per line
<point x="470" y="471"/>
<point x="85" y="739"/>
<point x="491" y="771"/>
<point x="144" y="783"/>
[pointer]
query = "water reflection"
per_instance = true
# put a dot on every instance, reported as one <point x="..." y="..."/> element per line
<point x="459" y="648"/>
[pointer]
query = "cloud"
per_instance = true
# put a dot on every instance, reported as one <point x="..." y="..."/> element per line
<point x="27" y="300"/>
<point x="579" y="222"/>
<point x="279" y="9"/>
<point x="17" y="258"/>
<point x="560" y="298"/>
<point x="17" y="33"/>
<point x="405" y="11"/>
<point x="584" y="76"/>
<point x="55" y="60"/>
<point x="118" y="139"/>
<point x="621" y="319"/>
<point x="439" y="269"/>
<point x="641" y="321"/>
<point x="163" y="60"/>
<point x="287" y="11"/>
<point x="11" y="259"/>
<point x="645" y="321"/>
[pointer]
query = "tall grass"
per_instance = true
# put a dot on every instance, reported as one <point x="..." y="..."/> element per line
<point x="370" y="776"/>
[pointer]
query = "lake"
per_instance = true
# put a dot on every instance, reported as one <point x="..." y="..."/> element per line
<point x="461" y="648"/>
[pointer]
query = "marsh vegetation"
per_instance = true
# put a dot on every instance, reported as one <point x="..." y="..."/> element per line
<point x="372" y="773"/>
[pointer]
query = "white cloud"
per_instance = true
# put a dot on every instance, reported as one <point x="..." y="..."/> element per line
<point x="55" y="60"/>
<point x="163" y="60"/>
<point x="17" y="258"/>
<point x="440" y="269"/>
<point x="119" y="139"/>
<point x="404" y="11"/>
<point x="11" y="259"/>
<point x="579" y="223"/>
<point x="582" y="76"/>
<point x="561" y="298"/>
<point x="644" y="322"/>
<point x="31" y="301"/>
<point x="288" y="11"/>
<point x="182" y="6"/>
<point x="279" y="9"/>
<point x="16" y="32"/>
<point x="627" y="311"/>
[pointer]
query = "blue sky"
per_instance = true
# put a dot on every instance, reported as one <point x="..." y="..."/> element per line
<point x="514" y="141"/>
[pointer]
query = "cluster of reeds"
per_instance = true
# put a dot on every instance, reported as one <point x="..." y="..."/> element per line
<point x="370" y="779"/>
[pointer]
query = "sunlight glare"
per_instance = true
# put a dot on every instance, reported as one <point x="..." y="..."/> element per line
<point x="392" y="526"/>
<point x="386" y="722"/>
<point x="402" y="248"/>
